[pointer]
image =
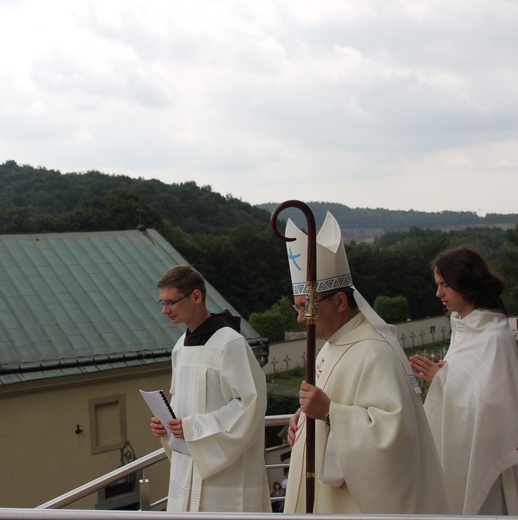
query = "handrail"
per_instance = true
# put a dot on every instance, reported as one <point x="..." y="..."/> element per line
<point x="99" y="514"/>
<point x="130" y="468"/>
<point x="113" y="476"/>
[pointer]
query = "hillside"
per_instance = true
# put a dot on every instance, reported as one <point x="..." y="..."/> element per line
<point x="231" y="243"/>
<point x="196" y="209"/>
<point x="185" y="205"/>
<point x="364" y="224"/>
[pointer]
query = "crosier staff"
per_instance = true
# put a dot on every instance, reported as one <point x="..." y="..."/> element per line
<point x="311" y="318"/>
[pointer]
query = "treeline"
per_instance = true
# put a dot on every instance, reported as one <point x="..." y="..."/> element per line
<point x="230" y="241"/>
<point x="185" y="205"/>
<point x="393" y="220"/>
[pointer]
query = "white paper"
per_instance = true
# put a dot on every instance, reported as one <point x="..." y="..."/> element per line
<point x="159" y="406"/>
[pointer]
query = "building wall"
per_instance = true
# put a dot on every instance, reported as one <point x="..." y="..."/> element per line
<point x="289" y="354"/>
<point x="417" y="333"/>
<point x="43" y="457"/>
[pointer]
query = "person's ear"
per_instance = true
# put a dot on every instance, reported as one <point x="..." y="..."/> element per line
<point x="342" y="301"/>
<point x="197" y="295"/>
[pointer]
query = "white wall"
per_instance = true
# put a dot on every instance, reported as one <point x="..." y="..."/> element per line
<point x="415" y="333"/>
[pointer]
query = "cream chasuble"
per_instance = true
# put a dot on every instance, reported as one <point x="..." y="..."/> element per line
<point x="219" y="391"/>
<point x="472" y="407"/>
<point x="381" y="436"/>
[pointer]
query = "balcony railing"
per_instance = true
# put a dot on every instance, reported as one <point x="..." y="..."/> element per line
<point x="128" y="469"/>
<point x="51" y="510"/>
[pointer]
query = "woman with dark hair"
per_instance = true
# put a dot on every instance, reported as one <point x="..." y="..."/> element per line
<point x="472" y="402"/>
<point x="277" y="492"/>
<point x="467" y="273"/>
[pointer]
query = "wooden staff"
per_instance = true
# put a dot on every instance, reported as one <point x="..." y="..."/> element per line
<point x="311" y="318"/>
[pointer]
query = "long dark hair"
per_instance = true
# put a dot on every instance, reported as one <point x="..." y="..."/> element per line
<point x="465" y="270"/>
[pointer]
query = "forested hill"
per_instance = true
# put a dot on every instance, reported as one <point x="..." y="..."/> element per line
<point x="197" y="209"/>
<point x="231" y="243"/>
<point x="185" y="205"/>
<point x="364" y="224"/>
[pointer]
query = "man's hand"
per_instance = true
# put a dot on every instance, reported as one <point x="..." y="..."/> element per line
<point x="175" y="425"/>
<point x="313" y="401"/>
<point x="424" y="368"/>
<point x="156" y="428"/>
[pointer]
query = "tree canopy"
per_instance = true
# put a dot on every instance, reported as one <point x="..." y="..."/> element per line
<point x="231" y="242"/>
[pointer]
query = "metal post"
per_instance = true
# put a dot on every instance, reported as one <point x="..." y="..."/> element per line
<point x="144" y="494"/>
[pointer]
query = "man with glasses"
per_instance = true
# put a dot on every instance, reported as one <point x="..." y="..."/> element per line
<point x="219" y="398"/>
<point x="374" y="452"/>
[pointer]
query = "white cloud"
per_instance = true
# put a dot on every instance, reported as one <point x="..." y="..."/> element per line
<point x="402" y="104"/>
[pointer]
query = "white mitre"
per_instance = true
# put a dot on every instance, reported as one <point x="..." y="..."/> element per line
<point x="332" y="266"/>
<point x="333" y="273"/>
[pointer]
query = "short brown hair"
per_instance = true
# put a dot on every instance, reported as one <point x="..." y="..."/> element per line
<point x="184" y="278"/>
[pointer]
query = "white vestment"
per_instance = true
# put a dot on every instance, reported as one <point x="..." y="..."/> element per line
<point x="472" y="407"/>
<point x="381" y="436"/>
<point x="219" y="390"/>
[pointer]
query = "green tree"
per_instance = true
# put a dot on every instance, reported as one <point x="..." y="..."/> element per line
<point x="248" y="267"/>
<point x="274" y="322"/>
<point x="285" y="308"/>
<point x="509" y="269"/>
<point x="115" y="211"/>
<point x="392" y="309"/>
<point x="268" y="324"/>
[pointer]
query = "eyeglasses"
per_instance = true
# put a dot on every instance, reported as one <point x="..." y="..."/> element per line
<point x="170" y="303"/>
<point x="302" y="308"/>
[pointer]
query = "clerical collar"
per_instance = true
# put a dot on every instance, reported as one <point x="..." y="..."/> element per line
<point x="347" y="327"/>
<point x="213" y="323"/>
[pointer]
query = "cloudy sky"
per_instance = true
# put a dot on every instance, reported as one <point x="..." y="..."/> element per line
<point x="398" y="104"/>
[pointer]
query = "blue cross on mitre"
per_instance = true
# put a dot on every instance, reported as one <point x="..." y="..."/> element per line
<point x="293" y="258"/>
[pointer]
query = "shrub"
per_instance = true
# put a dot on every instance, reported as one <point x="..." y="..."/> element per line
<point x="268" y="324"/>
<point x="392" y="309"/>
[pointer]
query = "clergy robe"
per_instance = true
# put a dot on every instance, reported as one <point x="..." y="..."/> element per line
<point x="472" y="407"/>
<point x="382" y="440"/>
<point x="219" y="390"/>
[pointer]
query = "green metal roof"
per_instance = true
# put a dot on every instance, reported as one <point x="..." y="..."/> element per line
<point x="74" y="303"/>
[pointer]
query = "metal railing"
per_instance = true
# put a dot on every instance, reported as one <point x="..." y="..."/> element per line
<point x="51" y="509"/>
<point x="80" y="514"/>
<point x="128" y="469"/>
